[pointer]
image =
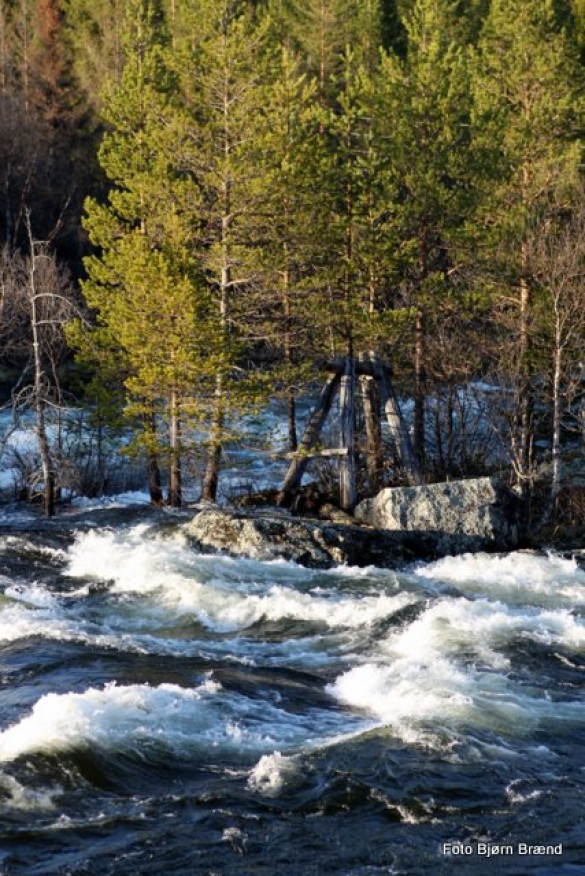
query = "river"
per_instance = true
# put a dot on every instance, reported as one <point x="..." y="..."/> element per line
<point x="166" y="712"/>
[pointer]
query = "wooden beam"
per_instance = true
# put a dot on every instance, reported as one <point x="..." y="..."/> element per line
<point x="312" y="454"/>
<point x="363" y="366"/>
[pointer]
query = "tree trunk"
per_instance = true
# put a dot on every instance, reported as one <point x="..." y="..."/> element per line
<point x="419" y="388"/>
<point x="154" y="478"/>
<point x="101" y="459"/>
<point x="288" y="353"/>
<point x="556" y="423"/>
<point x="45" y="453"/>
<point x="525" y="412"/>
<point x="175" y="478"/>
<point x="211" y="476"/>
<point x="293" y="442"/>
<point x="215" y="446"/>
<point x="347" y="478"/>
<point x="40" y="402"/>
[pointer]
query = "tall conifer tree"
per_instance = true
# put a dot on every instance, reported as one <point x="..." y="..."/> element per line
<point x="529" y="114"/>
<point x="289" y="152"/>
<point x="219" y="69"/>
<point x="94" y="30"/>
<point x="426" y="102"/>
<point x="144" y="283"/>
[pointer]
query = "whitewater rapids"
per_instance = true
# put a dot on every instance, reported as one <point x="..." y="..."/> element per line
<point x="143" y="684"/>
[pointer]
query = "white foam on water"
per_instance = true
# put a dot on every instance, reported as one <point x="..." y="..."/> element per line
<point x="517" y="793"/>
<point x="33" y="595"/>
<point x="430" y="679"/>
<point x="179" y="582"/>
<point x="523" y="577"/>
<point x="482" y="627"/>
<point x="180" y="721"/>
<point x="106" y="717"/>
<point x="420" y="702"/>
<point x="35" y="612"/>
<point x="271" y="773"/>
<point x="447" y="670"/>
<point x="19" y="620"/>
<point x="13" y="795"/>
<point x="23" y="543"/>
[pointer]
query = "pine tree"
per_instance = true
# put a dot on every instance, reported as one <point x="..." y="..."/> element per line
<point x="287" y="148"/>
<point x="578" y="10"/>
<point x="322" y="30"/>
<point x="427" y="104"/>
<point x="529" y="113"/>
<point x="143" y="283"/>
<point x="94" y="31"/>
<point x="219" y="68"/>
<point x="355" y="197"/>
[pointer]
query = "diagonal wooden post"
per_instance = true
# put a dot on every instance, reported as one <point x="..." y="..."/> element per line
<point x="310" y="437"/>
<point x="347" y="477"/>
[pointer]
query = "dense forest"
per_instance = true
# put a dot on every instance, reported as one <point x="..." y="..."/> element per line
<point x="204" y="202"/>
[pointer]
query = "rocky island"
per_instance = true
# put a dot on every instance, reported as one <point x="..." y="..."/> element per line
<point x="397" y="526"/>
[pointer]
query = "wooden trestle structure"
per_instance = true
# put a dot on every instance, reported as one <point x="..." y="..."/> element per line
<point x="376" y="392"/>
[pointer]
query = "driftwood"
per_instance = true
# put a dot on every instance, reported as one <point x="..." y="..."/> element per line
<point x="399" y="432"/>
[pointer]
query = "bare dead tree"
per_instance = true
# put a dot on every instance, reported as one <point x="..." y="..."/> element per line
<point x="36" y="301"/>
<point x="557" y="258"/>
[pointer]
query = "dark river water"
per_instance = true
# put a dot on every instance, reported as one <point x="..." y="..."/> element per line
<point x="164" y="712"/>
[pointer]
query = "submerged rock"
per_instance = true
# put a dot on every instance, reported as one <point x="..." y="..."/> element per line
<point x="466" y="515"/>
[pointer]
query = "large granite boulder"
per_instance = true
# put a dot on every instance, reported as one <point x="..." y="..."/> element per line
<point x="466" y="515"/>
<point x="275" y="534"/>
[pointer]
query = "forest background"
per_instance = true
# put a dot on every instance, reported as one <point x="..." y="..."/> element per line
<point x="204" y="201"/>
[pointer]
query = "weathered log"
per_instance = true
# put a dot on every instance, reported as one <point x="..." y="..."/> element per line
<point x="310" y="437"/>
<point x="347" y="478"/>
<point x="314" y="454"/>
<point x="374" y="449"/>
<point x="366" y="365"/>
<point x="398" y="428"/>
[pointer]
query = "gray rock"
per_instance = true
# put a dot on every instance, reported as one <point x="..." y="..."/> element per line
<point x="398" y="526"/>
<point x="475" y="514"/>
<point x="276" y="534"/>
